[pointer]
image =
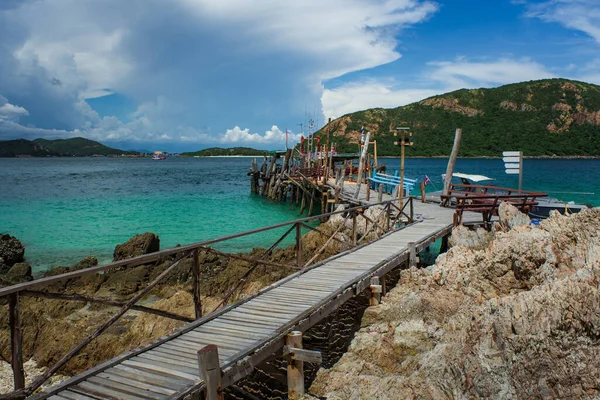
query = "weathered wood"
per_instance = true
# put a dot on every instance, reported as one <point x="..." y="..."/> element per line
<point x="375" y="289"/>
<point x="299" y="245"/>
<point x="451" y="162"/>
<point x="360" y="165"/>
<point x="102" y="300"/>
<point x="14" y="320"/>
<point x="412" y="254"/>
<point x="60" y="363"/>
<point x="295" y="368"/>
<point x="210" y="372"/>
<point x="196" y="285"/>
<point x="310" y="356"/>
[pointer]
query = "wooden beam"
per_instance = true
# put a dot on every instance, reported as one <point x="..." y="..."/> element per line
<point x="210" y="372"/>
<point x="16" y="341"/>
<point x="451" y="162"/>
<point x="196" y="287"/>
<point x="376" y="289"/>
<point x="295" y="368"/>
<point x="310" y="356"/>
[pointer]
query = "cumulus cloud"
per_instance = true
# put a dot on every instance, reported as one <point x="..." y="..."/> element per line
<point x="10" y="111"/>
<point x="581" y="15"/>
<point x="217" y="61"/>
<point x="274" y="136"/>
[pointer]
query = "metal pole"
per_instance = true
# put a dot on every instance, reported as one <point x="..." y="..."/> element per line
<point x="520" y="171"/>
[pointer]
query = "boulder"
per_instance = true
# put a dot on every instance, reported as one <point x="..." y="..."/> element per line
<point x="136" y="246"/>
<point x="18" y="273"/>
<point x="511" y="216"/>
<point x="11" y="250"/>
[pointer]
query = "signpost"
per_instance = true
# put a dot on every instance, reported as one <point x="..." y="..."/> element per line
<point x="513" y="164"/>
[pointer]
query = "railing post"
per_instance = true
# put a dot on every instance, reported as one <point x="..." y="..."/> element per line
<point x="412" y="260"/>
<point x="388" y="210"/>
<point x="295" y="368"/>
<point x="196" y="277"/>
<point x="354" y="228"/>
<point x="375" y="287"/>
<point x="210" y="372"/>
<point x="412" y="214"/>
<point x="15" y="341"/>
<point x="298" y="244"/>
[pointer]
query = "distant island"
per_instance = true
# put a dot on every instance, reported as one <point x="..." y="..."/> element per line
<point x="74" y="147"/>
<point x="233" y="151"/>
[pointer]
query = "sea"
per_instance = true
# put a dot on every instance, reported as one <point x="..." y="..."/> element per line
<point x="64" y="209"/>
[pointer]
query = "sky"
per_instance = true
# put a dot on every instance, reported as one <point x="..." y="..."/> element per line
<point x="182" y="75"/>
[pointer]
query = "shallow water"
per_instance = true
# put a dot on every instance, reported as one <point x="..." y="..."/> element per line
<point x="64" y="209"/>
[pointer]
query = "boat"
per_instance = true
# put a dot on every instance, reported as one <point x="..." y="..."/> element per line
<point x="539" y="211"/>
<point x="159" y="155"/>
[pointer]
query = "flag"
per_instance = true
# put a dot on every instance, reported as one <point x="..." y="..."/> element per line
<point x="426" y="181"/>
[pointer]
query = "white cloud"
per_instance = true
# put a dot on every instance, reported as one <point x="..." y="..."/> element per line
<point x="362" y="95"/>
<point x="464" y="73"/>
<point x="10" y="111"/>
<point x="581" y="15"/>
<point x="274" y="136"/>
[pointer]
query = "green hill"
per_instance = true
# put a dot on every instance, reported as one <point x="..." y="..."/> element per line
<point x="75" y="147"/>
<point x="541" y="118"/>
<point x="234" y="151"/>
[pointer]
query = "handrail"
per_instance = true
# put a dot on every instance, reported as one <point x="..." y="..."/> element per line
<point x="487" y="187"/>
<point x="14" y="292"/>
<point x="147" y="258"/>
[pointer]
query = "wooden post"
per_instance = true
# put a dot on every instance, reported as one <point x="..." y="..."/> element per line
<point x="298" y="244"/>
<point x="368" y="191"/>
<point x="295" y="368"/>
<point x="422" y="187"/>
<point x="360" y="165"/>
<point x="380" y="193"/>
<point x="401" y="188"/>
<point x="451" y="161"/>
<point x="354" y="228"/>
<point x="15" y="341"/>
<point x="196" y="289"/>
<point x="375" y="288"/>
<point x="210" y="372"/>
<point x="412" y="260"/>
<point x="444" y="245"/>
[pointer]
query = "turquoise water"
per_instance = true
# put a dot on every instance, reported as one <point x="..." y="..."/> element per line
<point x="64" y="209"/>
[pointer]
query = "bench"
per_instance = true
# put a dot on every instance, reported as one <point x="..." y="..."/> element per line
<point x="390" y="182"/>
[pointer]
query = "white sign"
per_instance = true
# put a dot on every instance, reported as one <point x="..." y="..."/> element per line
<point x="512" y="166"/>
<point x="511" y="159"/>
<point x="512" y="171"/>
<point x="511" y="153"/>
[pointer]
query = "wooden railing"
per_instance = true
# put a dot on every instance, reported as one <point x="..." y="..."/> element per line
<point x="486" y="199"/>
<point x="394" y="218"/>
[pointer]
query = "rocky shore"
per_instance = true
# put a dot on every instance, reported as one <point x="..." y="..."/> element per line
<point x="52" y="327"/>
<point x="512" y="314"/>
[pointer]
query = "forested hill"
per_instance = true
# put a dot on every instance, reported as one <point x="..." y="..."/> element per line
<point x="541" y="118"/>
<point x="74" y="147"/>
<point x="233" y="151"/>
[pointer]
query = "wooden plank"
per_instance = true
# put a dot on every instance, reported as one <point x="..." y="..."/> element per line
<point x="151" y="367"/>
<point x="208" y="334"/>
<point x="127" y="378"/>
<point x="152" y="377"/>
<point x="93" y="389"/>
<point x="231" y="331"/>
<point x="67" y="394"/>
<point x="180" y="364"/>
<point x="275" y="311"/>
<point x="242" y="326"/>
<point x="224" y="344"/>
<point x="193" y="346"/>
<point x="170" y="353"/>
<point x="131" y="390"/>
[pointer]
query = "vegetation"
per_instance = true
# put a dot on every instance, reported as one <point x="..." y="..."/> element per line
<point x="75" y="147"/>
<point x="234" y="151"/>
<point x="541" y="118"/>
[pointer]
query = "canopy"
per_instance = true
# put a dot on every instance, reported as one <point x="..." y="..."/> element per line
<point x="472" y="178"/>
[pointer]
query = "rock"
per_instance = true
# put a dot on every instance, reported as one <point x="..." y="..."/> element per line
<point x="18" y="273"/>
<point x="89" y="261"/>
<point x="511" y="216"/>
<point x="136" y="246"/>
<point x="517" y="319"/>
<point x="476" y="240"/>
<point x="11" y="249"/>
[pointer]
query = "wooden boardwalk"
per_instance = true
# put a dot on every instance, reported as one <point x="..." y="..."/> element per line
<point x="248" y="333"/>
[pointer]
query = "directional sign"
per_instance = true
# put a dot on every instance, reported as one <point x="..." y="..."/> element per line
<point x="511" y="159"/>
<point x="512" y="166"/>
<point x="511" y="153"/>
<point x="512" y="171"/>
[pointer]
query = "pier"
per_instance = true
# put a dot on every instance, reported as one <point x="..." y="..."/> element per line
<point x="244" y="334"/>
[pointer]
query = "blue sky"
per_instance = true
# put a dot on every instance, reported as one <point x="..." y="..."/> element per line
<point x="182" y="75"/>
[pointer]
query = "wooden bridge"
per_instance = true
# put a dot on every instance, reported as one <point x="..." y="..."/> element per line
<point x="247" y="332"/>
